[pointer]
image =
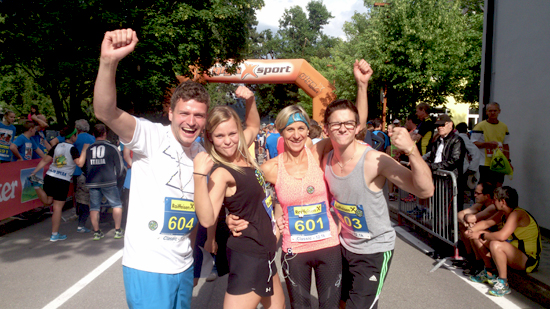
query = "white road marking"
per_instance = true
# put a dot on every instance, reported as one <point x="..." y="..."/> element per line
<point x="65" y="296"/>
<point x="502" y="302"/>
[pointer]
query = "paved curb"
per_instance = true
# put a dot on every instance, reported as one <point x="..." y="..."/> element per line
<point x="527" y="285"/>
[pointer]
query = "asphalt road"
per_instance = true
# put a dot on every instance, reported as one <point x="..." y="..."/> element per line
<point x="81" y="273"/>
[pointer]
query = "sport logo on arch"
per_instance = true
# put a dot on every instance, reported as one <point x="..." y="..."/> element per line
<point x="254" y="70"/>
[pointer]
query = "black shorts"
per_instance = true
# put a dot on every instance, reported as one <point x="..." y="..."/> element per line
<point x="56" y="188"/>
<point x="250" y="274"/>
<point x="363" y="277"/>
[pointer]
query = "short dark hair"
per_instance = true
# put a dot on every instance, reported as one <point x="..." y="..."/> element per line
<point x="488" y="188"/>
<point x="28" y="124"/>
<point x="189" y="90"/>
<point x="462" y="127"/>
<point x="377" y="122"/>
<point x="423" y="107"/>
<point x="341" y="104"/>
<point x="66" y="131"/>
<point x="315" y="131"/>
<point x="508" y="194"/>
<point x="99" y="130"/>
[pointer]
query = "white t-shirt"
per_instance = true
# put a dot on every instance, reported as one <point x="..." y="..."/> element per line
<point x="156" y="239"/>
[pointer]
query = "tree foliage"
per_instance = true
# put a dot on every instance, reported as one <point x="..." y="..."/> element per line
<point x="56" y="43"/>
<point x="299" y="36"/>
<point x="422" y="50"/>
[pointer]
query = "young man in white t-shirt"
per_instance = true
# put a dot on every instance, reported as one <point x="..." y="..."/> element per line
<point x="158" y="257"/>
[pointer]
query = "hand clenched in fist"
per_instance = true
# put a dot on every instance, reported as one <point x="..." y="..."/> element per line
<point x="118" y="44"/>
<point x="203" y="163"/>
<point x="244" y="93"/>
<point x="401" y="139"/>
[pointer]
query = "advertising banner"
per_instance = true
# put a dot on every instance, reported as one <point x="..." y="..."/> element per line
<point x="16" y="193"/>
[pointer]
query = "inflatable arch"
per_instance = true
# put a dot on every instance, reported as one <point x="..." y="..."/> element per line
<point x="280" y="71"/>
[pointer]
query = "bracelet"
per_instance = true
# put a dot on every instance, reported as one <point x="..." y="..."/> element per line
<point x="411" y="151"/>
<point x="200" y="174"/>
<point x="482" y="236"/>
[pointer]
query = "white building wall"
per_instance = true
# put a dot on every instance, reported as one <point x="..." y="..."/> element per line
<point x="521" y="85"/>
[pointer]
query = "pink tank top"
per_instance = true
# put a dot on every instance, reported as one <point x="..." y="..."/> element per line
<point x="309" y="225"/>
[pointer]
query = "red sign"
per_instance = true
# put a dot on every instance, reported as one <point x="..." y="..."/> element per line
<point x="16" y="193"/>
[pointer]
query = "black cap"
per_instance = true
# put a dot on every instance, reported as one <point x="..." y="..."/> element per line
<point x="443" y="119"/>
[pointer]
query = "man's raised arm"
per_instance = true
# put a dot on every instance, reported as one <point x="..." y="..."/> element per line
<point x="362" y="73"/>
<point x="115" y="46"/>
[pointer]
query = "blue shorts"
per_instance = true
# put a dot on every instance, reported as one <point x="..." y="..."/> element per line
<point x="111" y="194"/>
<point x="153" y="290"/>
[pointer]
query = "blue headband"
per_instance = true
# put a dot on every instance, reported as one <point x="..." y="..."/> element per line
<point x="296" y="117"/>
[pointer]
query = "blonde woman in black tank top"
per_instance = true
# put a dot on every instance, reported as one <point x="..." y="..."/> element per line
<point x="237" y="183"/>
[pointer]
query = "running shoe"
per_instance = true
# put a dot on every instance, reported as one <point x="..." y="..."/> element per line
<point x="19" y="217"/>
<point x="57" y="237"/>
<point x="483" y="277"/>
<point x="472" y="268"/>
<point x="500" y="288"/>
<point x="82" y="229"/>
<point x="35" y="180"/>
<point x="98" y="235"/>
<point x="119" y="234"/>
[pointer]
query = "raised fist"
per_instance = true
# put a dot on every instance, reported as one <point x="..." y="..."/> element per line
<point x="401" y="139"/>
<point x="243" y="92"/>
<point x="118" y="44"/>
<point x="203" y="163"/>
<point x="362" y="71"/>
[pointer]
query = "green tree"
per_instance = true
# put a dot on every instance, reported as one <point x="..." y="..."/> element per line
<point x="299" y="36"/>
<point x="422" y="50"/>
<point x="57" y="44"/>
<point x="18" y="92"/>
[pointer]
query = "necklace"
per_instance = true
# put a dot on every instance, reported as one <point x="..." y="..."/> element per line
<point x="342" y="165"/>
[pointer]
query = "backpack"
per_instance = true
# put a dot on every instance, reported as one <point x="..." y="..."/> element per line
<point x="386" y="138"/>
<point x="375" y="141"/>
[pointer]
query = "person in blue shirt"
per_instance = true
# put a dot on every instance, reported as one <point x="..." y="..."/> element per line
<point x="7" y="134"/>
<point x="23" y="147"/>
<point x="271" y="142"/>
<point x="82" y="193"/>
<point x="39" y="138"/>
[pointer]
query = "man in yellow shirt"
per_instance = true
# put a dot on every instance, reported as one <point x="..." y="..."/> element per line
<point x="489" y="135"/>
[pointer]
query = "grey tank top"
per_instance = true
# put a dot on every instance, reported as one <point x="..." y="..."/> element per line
<point x="363" y="213"/>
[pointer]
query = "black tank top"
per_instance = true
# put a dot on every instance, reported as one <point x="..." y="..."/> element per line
<point x="258" y="239"/>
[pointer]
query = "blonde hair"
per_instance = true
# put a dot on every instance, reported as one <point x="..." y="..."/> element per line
<point x="216" y="116"/>
<point x="285" y="113"/>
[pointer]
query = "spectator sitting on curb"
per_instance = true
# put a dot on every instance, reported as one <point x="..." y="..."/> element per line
<point x="517" y="244"/>
<point x="481" y="210"/>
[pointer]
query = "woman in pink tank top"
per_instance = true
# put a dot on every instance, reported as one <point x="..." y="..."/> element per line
<point x="310" y="235"/>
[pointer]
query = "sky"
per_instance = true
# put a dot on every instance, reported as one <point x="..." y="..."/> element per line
<point x="342" y="10"/>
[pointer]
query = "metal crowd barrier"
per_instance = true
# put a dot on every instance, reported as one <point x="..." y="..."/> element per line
<point x="436" y="215"/>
